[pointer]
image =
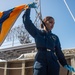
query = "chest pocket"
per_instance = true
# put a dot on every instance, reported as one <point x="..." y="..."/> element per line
<point x="51" y="39"/>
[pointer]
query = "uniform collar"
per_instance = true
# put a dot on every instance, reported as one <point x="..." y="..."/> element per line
<point x="49" y="32"/>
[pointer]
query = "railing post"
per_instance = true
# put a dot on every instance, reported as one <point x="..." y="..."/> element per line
<point x="73" y="63"/>
<point x="5" y="70"/>
<point x="23" y="67"/>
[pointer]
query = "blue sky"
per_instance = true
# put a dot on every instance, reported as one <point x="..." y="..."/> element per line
<point x="64" y="23"/>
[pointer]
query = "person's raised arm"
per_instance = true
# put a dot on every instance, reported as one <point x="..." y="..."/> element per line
<point x="30" y="27"/>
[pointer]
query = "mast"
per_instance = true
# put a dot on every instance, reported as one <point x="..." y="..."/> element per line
<point x="37" y="20"/>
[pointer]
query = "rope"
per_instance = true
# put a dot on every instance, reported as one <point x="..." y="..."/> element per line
<point x="16" y="68"/>
<point x="68" y="72"/>
<point x="41" y="19"/>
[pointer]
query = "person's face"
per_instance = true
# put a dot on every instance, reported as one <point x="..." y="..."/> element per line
<point x="50" y="24"/>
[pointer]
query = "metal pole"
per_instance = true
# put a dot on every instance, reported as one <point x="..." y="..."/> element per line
<point x="40" y="9"/>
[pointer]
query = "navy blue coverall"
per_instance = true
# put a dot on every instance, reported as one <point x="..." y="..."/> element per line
<point x="49" y="49"/>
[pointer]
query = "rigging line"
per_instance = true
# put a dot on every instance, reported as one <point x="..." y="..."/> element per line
<point x="68" y="72"/>
<point x="41" y="19"/>
<point x="16" y="68"/>
<point x="69" y="10"/>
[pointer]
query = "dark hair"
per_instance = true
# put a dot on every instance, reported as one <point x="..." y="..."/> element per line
<point x="46" y="19"/>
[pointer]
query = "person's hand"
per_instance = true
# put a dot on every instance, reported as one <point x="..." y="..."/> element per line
<point x="32" y="5"/>
<point x="70" y="68"/>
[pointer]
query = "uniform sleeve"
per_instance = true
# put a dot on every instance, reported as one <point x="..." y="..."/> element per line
<point x="59" y="53"/>
<point x="28" y="24"/>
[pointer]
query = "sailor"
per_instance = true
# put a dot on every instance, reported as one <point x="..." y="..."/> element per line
<point x="48" y="46"/>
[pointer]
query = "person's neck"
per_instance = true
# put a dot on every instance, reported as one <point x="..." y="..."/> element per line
<point x="47" y="30"/>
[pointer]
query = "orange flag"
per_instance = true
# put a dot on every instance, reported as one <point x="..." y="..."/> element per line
<point x="7" y="20"/>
